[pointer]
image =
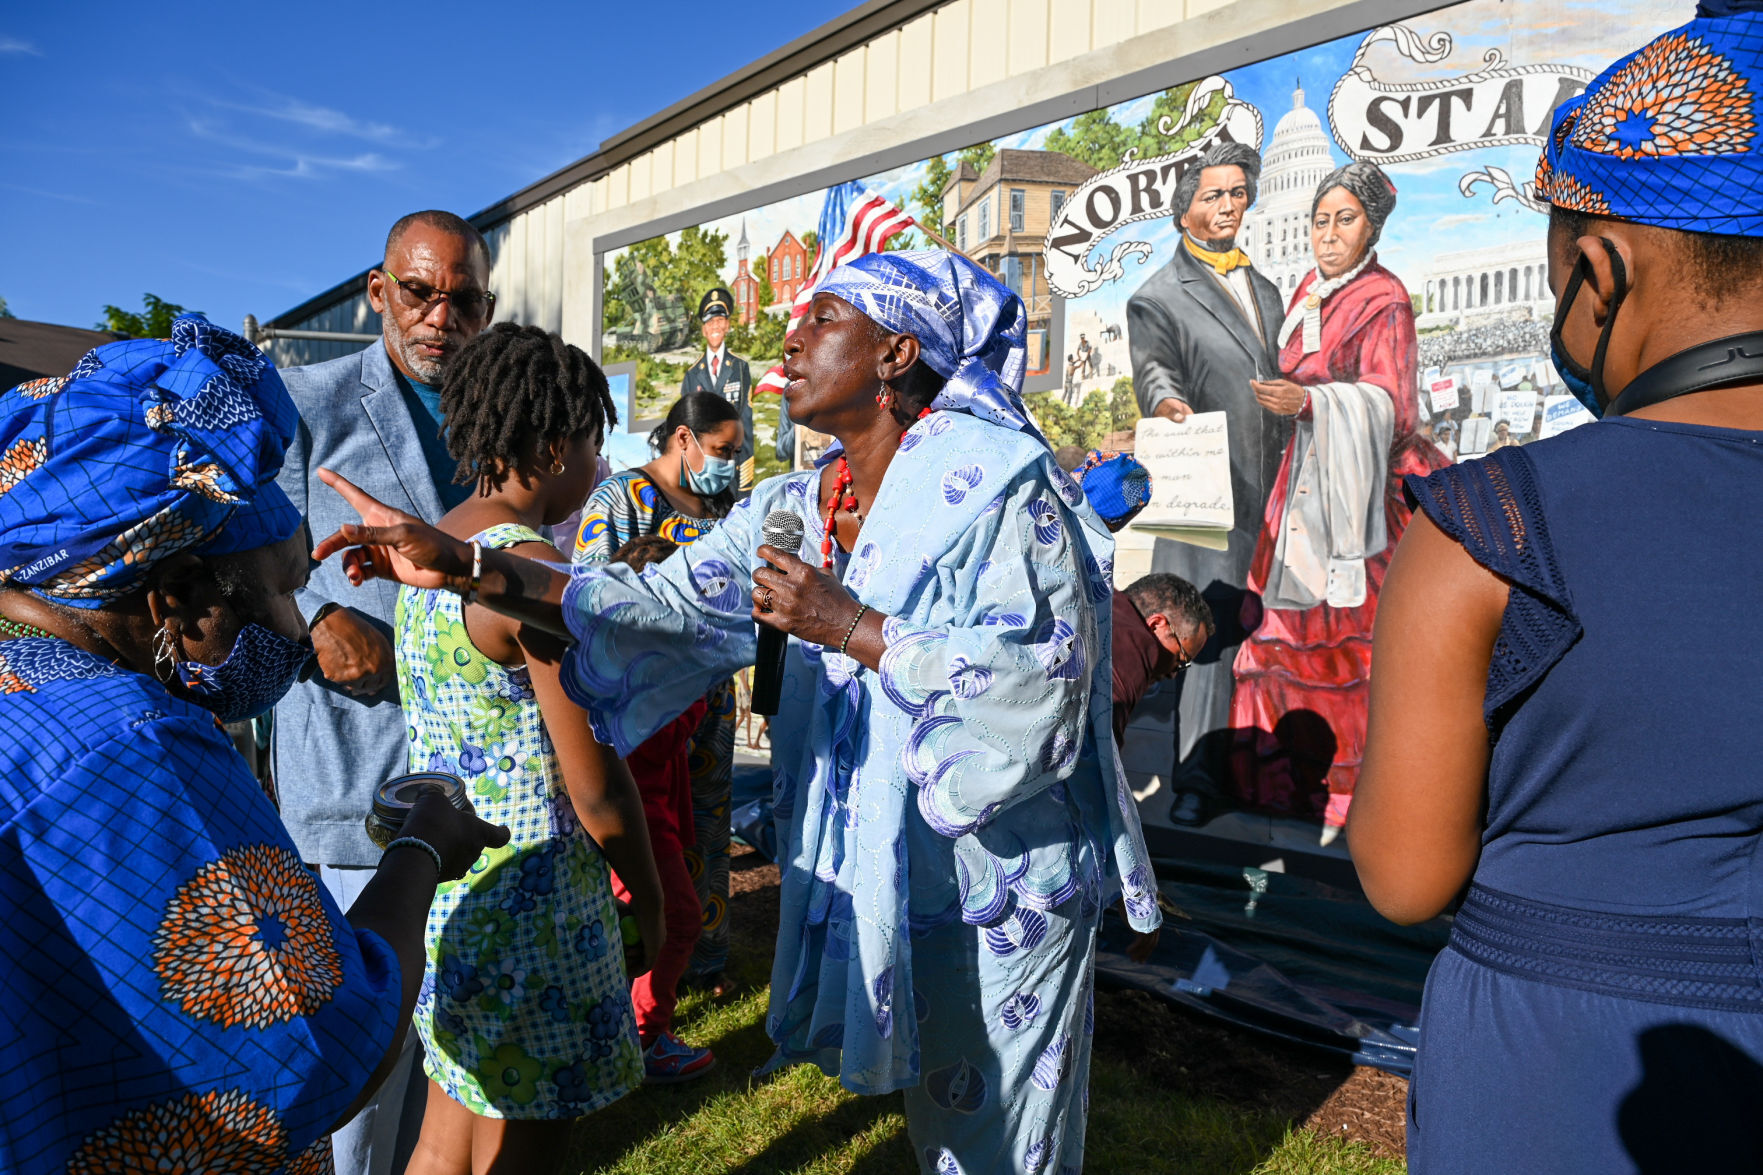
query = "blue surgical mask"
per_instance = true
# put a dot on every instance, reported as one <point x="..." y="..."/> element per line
<point x="260" y="670"/>
<point x="1569" y="371"/>
<point x="717" y="475"/>
<point x="1586" y="382"/>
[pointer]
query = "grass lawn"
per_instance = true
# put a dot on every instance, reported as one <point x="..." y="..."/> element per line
<point x="802" y="1123"/>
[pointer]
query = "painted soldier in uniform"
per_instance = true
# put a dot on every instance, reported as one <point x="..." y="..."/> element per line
<point x="723" y="374"/>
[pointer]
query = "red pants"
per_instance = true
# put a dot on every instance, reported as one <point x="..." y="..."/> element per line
<point x="659" y="767"/>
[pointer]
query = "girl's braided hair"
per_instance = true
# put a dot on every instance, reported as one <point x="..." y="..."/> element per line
<point x="513" y="391"/>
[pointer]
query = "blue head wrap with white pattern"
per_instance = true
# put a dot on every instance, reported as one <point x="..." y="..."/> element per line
<point x="148" y="447"/>
<point x="1668" y="135"/>
<point x="971" y="329"/>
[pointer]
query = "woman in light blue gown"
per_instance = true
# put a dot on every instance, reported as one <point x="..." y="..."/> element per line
<point x="952" y="816"/>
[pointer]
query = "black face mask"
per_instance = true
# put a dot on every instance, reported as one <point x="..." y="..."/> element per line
<point x="1735" y="359"/>
<point x="1587" y="383"/>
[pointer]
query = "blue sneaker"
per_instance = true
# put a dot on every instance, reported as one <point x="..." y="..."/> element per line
<point x="670" y="1060"/>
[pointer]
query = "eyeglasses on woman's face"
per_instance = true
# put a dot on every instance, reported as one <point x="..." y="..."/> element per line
<point x="476" y="305"/>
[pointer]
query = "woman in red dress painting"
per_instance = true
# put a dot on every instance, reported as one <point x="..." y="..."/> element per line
<point x="1348" y="352"/>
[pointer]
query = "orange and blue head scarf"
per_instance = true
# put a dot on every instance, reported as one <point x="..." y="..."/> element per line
<point x="1672" y="134"/>
<point x="148" y="447"/>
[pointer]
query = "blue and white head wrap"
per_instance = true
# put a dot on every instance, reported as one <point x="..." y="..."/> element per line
<point x="148" y="447"/>
<point x="971" y="329"/>
<point x="1669" y="135"/>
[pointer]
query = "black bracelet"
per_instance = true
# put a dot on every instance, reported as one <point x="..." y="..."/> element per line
<point x="849" y="632"/>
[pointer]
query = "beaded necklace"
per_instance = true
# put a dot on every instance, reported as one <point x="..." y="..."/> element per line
<point x="19" y="629"/>
<point x="841" y="483"/>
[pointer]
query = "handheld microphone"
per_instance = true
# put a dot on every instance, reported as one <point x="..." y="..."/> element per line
<point x="781" y="529"/>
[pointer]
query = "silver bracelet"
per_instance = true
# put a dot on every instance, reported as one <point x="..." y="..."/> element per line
<point x="416" y="842"/>
<point x="477" y="570"/>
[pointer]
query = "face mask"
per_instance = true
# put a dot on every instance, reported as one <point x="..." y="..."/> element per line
<point x="1587" y="384"/>
<point x="716" y="476"/>
<point x="262" y="667"/>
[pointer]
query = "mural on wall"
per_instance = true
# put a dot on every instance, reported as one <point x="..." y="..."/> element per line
<point x="1285" y="286"/>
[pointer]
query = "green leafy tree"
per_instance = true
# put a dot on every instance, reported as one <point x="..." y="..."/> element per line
<point x="1089" y="423"/>
<point x="1123" y="406"/>
<point x="762" y="271"/>
<point x="811" y="243"/>
<point x="684" y="271"/>
<point x="1096" y="139"/>
<point x="154" y="321"/>
<point x="5" y="311"/>
<point x="925" y="202"/>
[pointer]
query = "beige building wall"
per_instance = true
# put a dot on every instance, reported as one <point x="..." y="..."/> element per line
<point x="965" y="63"/>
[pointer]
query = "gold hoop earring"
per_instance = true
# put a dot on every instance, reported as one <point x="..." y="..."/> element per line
<point x="557" y="467"/>
<point x="164" y="660"/>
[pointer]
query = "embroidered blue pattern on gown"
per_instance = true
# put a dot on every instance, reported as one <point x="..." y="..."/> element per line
<point x="971" y="783"/>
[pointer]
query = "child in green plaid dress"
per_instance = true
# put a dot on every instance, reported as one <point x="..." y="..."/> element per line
<point x="524" y="1011"/>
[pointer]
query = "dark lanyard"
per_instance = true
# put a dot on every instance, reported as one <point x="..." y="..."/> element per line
<point x="1736" y="359"/>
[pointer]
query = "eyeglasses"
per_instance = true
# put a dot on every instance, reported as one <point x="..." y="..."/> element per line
<point x="1182" y="660"/>
<point x="1182" y="657"/>
<point x="473" y="304"/>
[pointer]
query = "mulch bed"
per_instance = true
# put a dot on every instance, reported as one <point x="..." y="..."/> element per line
<point x="1177" y="1048"/>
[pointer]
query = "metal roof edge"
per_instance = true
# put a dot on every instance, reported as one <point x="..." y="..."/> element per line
<point x="812" y="49"/>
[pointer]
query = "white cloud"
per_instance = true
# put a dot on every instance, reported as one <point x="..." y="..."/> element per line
<point x="14" y="45"/>
<point x="1457" y="218"/>
<point x="322" y="119"/>
<point x="296" y="161"/>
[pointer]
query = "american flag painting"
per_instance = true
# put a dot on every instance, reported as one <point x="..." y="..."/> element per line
<point x="852" y="222"/>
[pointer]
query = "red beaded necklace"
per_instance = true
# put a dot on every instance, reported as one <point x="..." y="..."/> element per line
<point x="841" y="483"/>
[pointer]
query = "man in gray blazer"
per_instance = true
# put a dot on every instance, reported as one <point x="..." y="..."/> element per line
<point x="374" y="417"/>
<point x="1199" y="330"/>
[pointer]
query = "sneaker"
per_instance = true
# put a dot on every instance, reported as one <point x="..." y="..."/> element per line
<point x="670" y="1060"/>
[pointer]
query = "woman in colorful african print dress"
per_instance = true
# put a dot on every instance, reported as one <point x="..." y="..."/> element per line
<point x="681" y="495"/>
<point x="182" y="994"/>
<point x="525" y="1010"/>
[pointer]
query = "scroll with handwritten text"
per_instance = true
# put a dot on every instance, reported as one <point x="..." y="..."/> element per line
<point x="1189" y="464"/>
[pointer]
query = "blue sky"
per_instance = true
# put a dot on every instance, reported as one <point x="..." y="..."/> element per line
<point x="240" y="158"/>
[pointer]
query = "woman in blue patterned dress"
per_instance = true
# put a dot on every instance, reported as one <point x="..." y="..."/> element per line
<point x="952" y="814"/>
<point x="681" y="496"/>
<point x="525" y="1011"/>
<point x="181" y="993"/>
<point x="1564" y="720"/>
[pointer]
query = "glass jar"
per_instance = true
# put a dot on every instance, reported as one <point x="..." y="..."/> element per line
<point x="395" y="797"/>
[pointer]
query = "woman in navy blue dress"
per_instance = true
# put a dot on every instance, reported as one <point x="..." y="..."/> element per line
<point x="1567" y="716"/>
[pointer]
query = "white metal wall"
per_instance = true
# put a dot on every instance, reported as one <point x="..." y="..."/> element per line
<point x="868" y="99"/>
<point x="960" y="47"/>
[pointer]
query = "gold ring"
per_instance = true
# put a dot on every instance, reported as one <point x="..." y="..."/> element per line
<point x="765" y="603"/>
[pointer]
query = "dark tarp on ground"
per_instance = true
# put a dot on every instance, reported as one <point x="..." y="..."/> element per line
<point x="1299" y="954"/>
<point x="33" y="350"/>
